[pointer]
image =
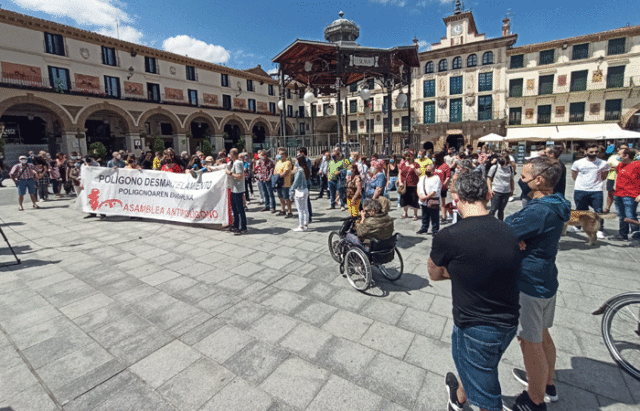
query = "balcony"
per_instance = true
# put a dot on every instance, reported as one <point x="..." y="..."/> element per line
<point x="607" y="83"/>
<point x="466" y="116"/>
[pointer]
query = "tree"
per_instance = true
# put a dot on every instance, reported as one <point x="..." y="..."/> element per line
<point x="99" y="150"/>
<point x="158" y="144"/>
<point x="241" y="144"/>
<point x="207" y="149"/>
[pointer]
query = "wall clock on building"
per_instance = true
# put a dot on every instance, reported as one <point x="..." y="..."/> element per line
<point x="457" y="30"/>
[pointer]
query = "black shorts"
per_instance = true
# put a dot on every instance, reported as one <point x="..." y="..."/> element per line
<point x="443" y="195"/>
<point x="610" y="185"/>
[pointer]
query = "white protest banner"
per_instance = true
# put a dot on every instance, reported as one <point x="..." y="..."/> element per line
<point x="155" y="194"/>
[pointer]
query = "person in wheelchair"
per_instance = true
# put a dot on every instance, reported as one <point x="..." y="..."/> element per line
<point x="374" y="224"/>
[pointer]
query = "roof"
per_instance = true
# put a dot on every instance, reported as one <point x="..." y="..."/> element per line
<point x="258" y="71"/>
<point x="317" y="62"/>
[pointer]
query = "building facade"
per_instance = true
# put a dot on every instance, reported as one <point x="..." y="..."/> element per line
<point x="65" y="88"/>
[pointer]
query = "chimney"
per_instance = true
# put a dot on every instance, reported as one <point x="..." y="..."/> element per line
<point x="506" y="27"/>
<point x="415" y="41"/>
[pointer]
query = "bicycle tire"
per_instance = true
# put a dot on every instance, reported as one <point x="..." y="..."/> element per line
<point x="624" y="351"/>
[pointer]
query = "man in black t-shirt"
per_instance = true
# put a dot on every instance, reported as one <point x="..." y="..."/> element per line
<point x="484" y="285"/>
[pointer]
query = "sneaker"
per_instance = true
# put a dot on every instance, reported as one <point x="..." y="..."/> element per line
<point x="511" y="199"/>
<point x="343" y="208"/>
<point x="601" y="235"/>
<point x="289" y="216"/>
<point x="619" y="238"/>
<point x="265" y="209"/>
<point x="281" y="213"/>
<point x="273" y="211"/>
<point x="550" y="395"/>
<point x="635" y="235"/>
<point x="331" y="208"/>
<point x="524" y="403"/>
<point x="240" y="232"/>
<point x="574" y="229"/>
<point x="421" y="231"/>
<point x="451" y="385"/>
<point x="299" y="229"/>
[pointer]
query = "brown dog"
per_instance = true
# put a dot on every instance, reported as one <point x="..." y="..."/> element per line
<point x="590" y="222"/>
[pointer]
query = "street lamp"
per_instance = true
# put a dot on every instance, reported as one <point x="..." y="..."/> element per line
<point x="281" y="105"/>
<point x="309" y="97"/>
<point x="365" y="94"/>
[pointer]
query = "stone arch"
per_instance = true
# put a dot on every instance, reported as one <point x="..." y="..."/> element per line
<point x="290" y="128"/>
<point x="237" y="119"/>
<point x="62" y="114"/>
<point x="212" y="122"/>
<point x="177" y="127"/>
<point x="264" y="122"/>
<point x="84" y="115"/>
<point x="625" y="121"/>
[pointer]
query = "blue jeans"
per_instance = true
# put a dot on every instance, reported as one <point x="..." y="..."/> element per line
<point x="342" y="191"/>
<point x="627" y="208"/>
<point x="333" y="187"/>
<point x="476" y="353"/>
<point x="586" y="199"/>
<point x="392" y="187"/>
<point x="269" y="195"/>
<point x="433" y="215"/>
<point x="237" y="207"/>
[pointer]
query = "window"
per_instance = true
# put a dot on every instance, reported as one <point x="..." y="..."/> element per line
<point x="455" y="85"/>
<point x="59" y="78"/>
<point x="576" y="112"/>
<point x="112" y="86"/>
<point x="150" y="65"/>
<point x="272" y="108"/>
<point x="54" y="44"/>
<point x="485" y="108"/>
<point x="612" y="110"/>
<point x="429" y="112"/>
<point x="405" y="123"/>
<point x="455" y="110"/>
<point x="289" y="111"/>
<point x="547" y="57"/>
<point x="385" y="125"/>
<point x="456" y="63"/>
<point x="487" y="58"/>
<point x="615" y="77"/>
<point x="166" y="129"/>
<point x="153" y="91"/>
<point x="442" y="65"/>
<point x="353" y="126"/>
<point x="579" y="80"/>
<point x="429" y="89"/>
<point x="289" y="94"/>
<point x="472" y="60"/>
<point x="580" y="51"/>
<point x="193" y="97"/>
<point x="191" y="73"/>
<point x="109" y="56"/>
<point x="428" y="68"/>
<point x="226" y="102"/>
<point x="353" y="87"/>
<point x="224" y="80"/>
<point x="371" y="84"/>
<point x="301" y="111"/>
<point x="270" y="90"/>
<point x="515" y="87"/>
<point x="314" y="110"/>
<point x="302" y="128"/>
<point x="544" y="114"/>
<point x="485" y="81"/>
<point x="353" y="106"/>
<point x="252" y="105"/>
<point x="545" y="85"/>
<point x="516" y="61"/>
<point x="250" y="85"/>
<point x="515" y="116"/>
<point x="616" y="46"/>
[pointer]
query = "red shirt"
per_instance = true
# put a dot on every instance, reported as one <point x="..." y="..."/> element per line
<point x="175" y="169"/>
<point x="628" y="180"/>
<point x="444" y="172"/>
<point x="408" y="174"/>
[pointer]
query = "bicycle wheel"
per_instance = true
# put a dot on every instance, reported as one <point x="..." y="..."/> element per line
<point x="334" y="246"/>
<point x="393" y="270"/>
<point x="358" y="269"/>
<point x="621" y="332"/>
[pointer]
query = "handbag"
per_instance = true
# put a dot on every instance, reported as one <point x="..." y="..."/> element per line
<point x="431" y="203"/>
<point x="277" y="181"/>
<point x="299" y="194"/>
<point x="402" y="189"/>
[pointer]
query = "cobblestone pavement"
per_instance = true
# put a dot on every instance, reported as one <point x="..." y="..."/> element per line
<point x="122" y="314"/>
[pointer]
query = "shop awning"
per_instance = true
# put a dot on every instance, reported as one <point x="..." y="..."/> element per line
<point x="588" y="131"/>
<point x="531" y="133"/>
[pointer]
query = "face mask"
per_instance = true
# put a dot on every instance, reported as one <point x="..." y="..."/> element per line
<point x="334" y="157"/>
<point x="428" y="173"/>
<point x="278" y="157"/>
<point x="118" y="157"/>
<point x="392" y="161"/>
<point x="78" y="165"/>
<point x="349" y="173"/>
<point x="420" y="156"/>
<point x="23" y="161"/>
<point x="351" y="159"/>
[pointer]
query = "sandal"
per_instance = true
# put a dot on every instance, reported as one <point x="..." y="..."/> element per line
<point x="415" y="218"/>
<point x="35" y="206"/>
<point x="403" y="216"/>
<point x="21" y="209"/>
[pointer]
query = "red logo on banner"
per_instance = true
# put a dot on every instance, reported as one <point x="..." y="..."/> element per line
<point x="94" y="199"/>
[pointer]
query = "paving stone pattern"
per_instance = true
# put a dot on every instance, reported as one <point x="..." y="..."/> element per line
<point x="122" y="314"/>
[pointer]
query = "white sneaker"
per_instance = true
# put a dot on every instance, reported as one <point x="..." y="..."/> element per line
<point x="574" y="229"/>
<point x="299" y="229"/>
<point x="511" y="199"/>
<point x="601" y="235"/>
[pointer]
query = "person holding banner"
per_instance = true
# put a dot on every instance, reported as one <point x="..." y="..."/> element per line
<point x="170" y="164"/>
<point x="236" y="172"/>
<point x="299" y="190"/>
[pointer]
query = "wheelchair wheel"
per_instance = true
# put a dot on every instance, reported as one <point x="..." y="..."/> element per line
<point x="358" y="269"/>
<point x="393" y="270"/>
<point x="335" y="247"/>
<point x="621" y="332"/>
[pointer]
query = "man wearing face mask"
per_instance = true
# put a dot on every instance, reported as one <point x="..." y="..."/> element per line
<point x="424" y="161"/>
<point x="116" y="161"/>
<point x="24" y="175"/>
<point x="335" y="167"/>
<point x="589" y="174"/>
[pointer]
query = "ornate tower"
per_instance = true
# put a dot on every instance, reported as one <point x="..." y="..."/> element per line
<point x="342" y="31"/>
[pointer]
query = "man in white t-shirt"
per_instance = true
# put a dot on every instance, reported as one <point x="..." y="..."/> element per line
<point x="589" y="174"/>
<point x="429" y="188"/>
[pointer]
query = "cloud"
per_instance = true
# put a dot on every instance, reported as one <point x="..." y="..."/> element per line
<point x="188" y="46"/>
<point x="104" y="16"/>
<point x="424" y="45"/>
<point x="399" y="3"/>
<point x="427" y="3"/>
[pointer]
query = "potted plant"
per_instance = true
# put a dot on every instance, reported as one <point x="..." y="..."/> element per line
<point x="158" y="144"/>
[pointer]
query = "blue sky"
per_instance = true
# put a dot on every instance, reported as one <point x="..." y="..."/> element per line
<point x="245" y="33"/>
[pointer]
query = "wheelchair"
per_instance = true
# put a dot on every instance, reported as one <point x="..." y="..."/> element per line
<point x="357" y="263"/>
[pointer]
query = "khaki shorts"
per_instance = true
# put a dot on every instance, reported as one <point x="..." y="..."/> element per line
<point x="536" y="314"/>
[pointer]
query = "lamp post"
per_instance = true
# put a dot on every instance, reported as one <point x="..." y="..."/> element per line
<point x="365" y="95"/>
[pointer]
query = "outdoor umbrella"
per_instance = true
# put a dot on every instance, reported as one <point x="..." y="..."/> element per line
<point x="491" y="138"/>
